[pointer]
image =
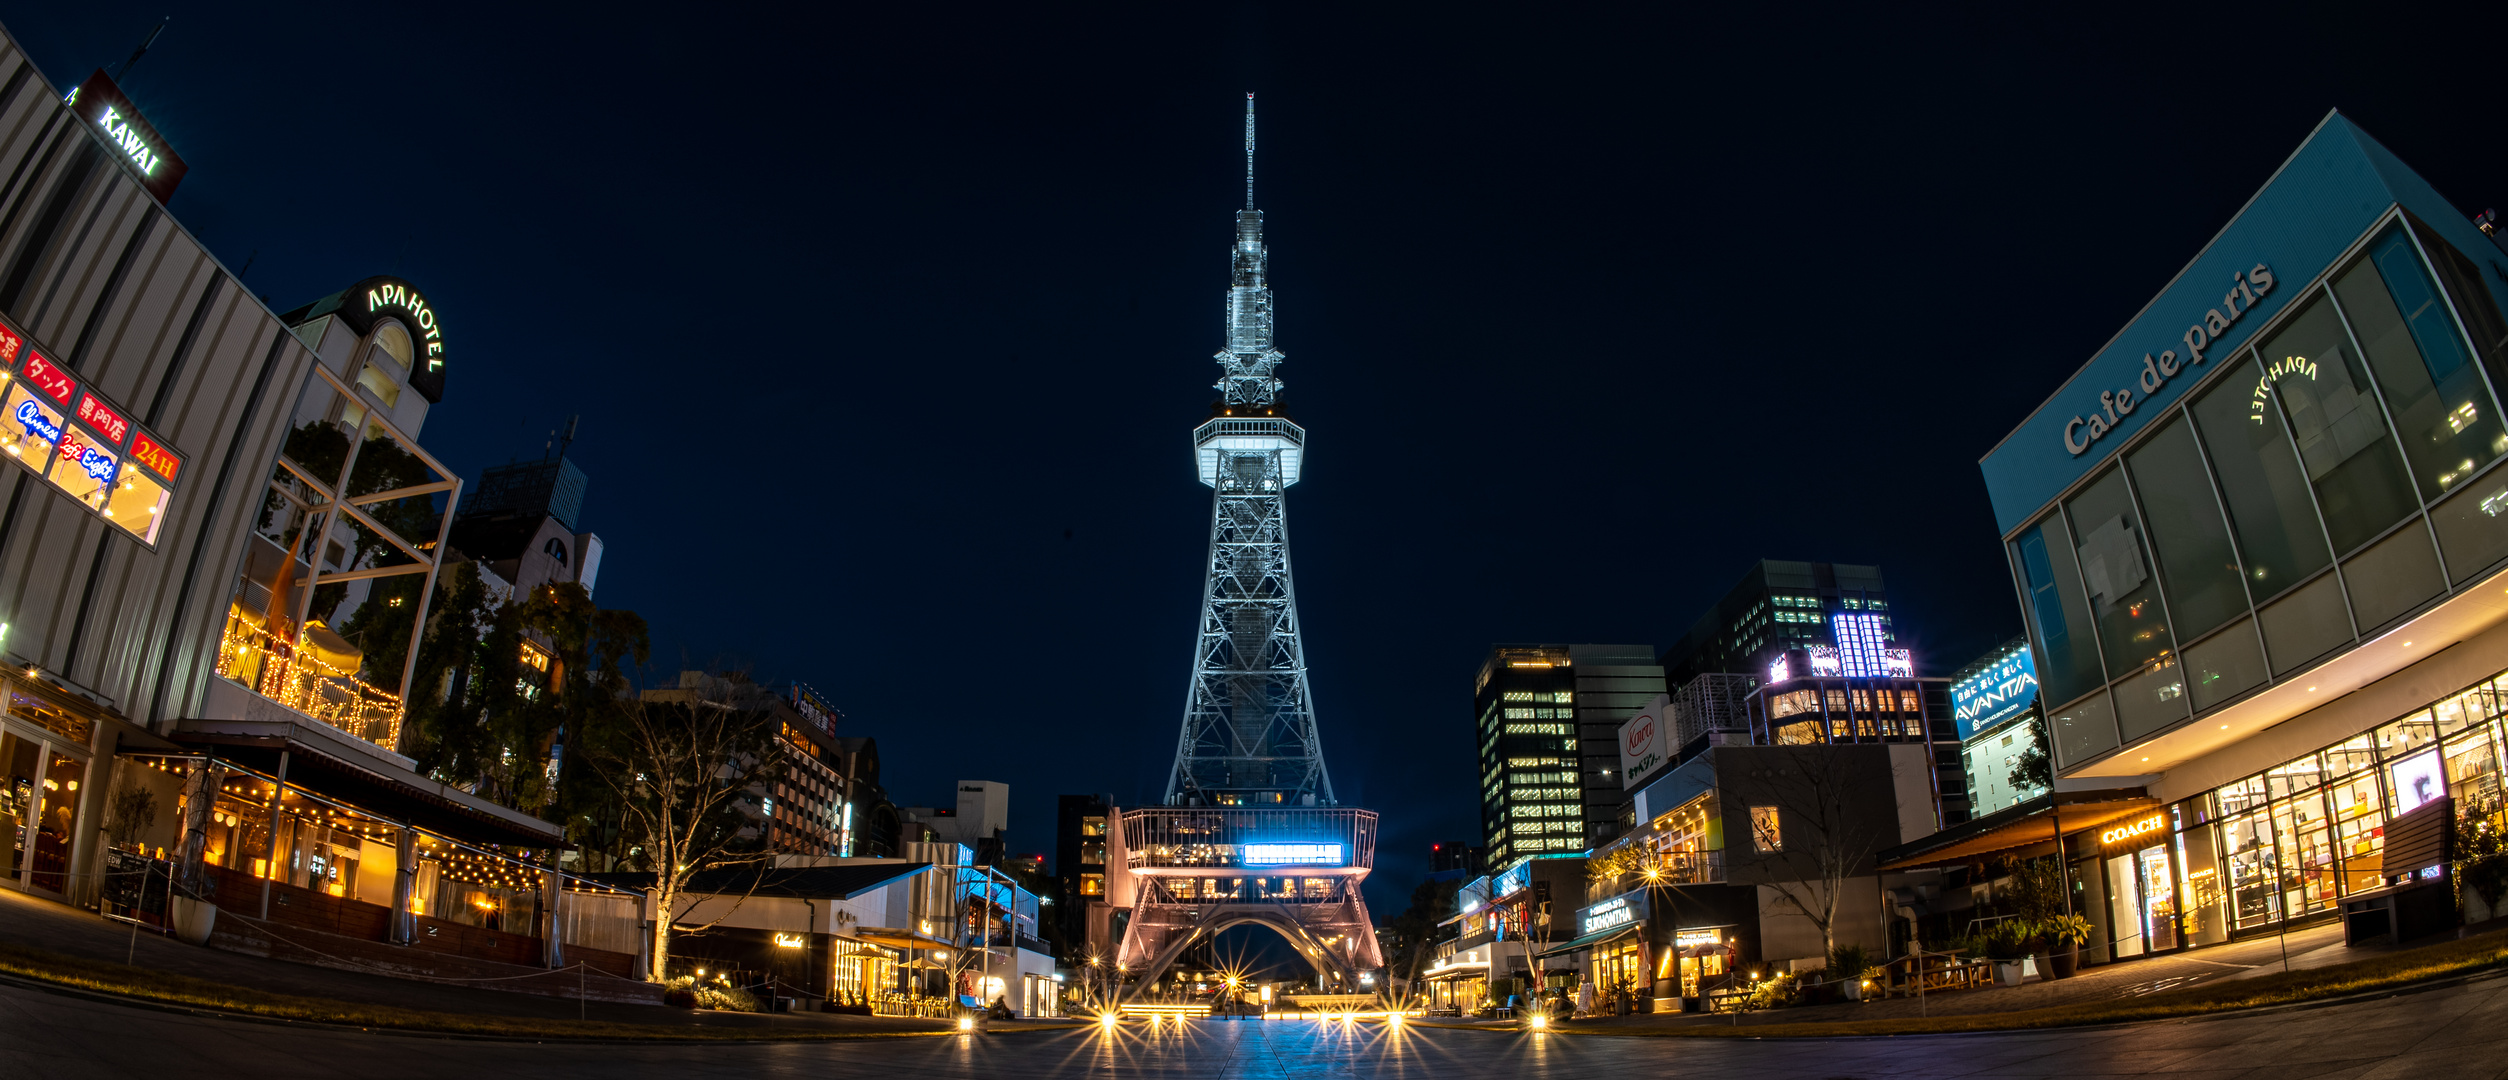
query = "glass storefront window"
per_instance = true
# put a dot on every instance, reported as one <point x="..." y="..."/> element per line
<point x="138" y="504"/>
<point x="2296" y="776"/>
<point x="2444" y="411"/>
<point x="2350" y="756"/>
<point x="2405" y="737"/>
<point x="29" y="427"/>
<point x="2254" y="870"/>
<point x="18" y="777"/>
<point x="2187" y="532"/>
<point x="2199" y="889"/>
<point x="2270" y="513"/>
<point x="2068" y="664"/>
<point x="84" y="469"/>
<point x="2307" y="854"/>
<point x="2465" y="710"/>
<point x="2473" y="773"/>
<point x="2309" y="366"/>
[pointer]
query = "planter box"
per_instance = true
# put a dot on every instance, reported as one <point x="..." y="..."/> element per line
<point x="2007" y="973"/>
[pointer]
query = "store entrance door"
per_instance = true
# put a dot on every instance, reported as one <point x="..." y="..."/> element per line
<point x="2142" y="901"/>
<point x="38" y="807"/>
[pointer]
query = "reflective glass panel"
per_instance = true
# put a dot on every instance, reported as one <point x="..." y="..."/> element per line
<point x="2310" y="367"/>
<point x="2188" y="534"/>
<point x="2278" y="538"/>
<point x="2116" y="574"/>
<point x="2442" y="408"/>
<point x="2068" y="664"/>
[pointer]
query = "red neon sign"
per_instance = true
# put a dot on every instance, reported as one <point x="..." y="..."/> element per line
<point x="49" y="379"/>
<point x="158" y="459"/>
<point x="92" y="411"/>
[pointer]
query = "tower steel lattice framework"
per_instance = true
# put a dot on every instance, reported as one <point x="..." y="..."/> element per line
<point x="1246" y="836"/>
<point x="1249" y="719"/>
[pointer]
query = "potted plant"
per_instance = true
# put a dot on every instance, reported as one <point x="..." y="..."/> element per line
<point x="1848" y="968"/>
<point x="2065" y="934"/>
<point x="2007" y="944"/>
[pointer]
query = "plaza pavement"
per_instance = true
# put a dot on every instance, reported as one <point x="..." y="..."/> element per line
<point x="2454" y="1031"/>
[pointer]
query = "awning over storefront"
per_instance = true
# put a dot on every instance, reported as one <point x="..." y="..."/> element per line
<point x="896" y="938"/>
<point x="1599" y="937"/>
<point x="336" y="765"/>
<point x="2026" y="830"/>
<point x="1473" y="970"/>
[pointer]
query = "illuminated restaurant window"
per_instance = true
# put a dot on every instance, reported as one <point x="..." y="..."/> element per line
<point x="1766" y="833"/>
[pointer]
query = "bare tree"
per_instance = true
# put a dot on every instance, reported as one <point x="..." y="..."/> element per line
<point x="1816" y="823"/>
<point x="689" y="776"/>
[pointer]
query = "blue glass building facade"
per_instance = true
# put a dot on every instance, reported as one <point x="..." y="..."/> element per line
<point x="2258" y="542"/>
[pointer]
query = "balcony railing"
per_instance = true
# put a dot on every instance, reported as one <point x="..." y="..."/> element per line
<point x="290" y="674"/>
<point x="1690" y="867"/>
<point x="1258" y="840"/>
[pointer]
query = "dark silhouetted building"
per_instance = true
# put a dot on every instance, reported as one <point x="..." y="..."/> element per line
<point x="1829" y="610"/>
<point x="1080" y="859"/>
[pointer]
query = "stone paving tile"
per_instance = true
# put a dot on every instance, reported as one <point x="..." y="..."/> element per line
<point x="2459" y="1033"/>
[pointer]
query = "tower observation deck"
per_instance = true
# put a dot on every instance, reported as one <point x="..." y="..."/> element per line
<point x="1250" y="832"/>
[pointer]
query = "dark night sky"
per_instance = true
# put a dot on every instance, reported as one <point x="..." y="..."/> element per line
<point x="888" y="330"/>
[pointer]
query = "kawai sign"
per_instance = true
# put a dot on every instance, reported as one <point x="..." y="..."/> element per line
<point x="100" y="103"/>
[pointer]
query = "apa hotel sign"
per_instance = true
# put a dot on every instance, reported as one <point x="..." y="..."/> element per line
<point x="100" y="105"/>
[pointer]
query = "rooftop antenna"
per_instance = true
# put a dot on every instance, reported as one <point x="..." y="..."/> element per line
<point x="133" y="62"/>
<point x="1249" y="151"/>
<point x="569" y="439"/>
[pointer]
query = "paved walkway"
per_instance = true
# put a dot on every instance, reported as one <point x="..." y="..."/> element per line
<point x="2317" y="946"/>
<point x="2444" y="1034"/>
<point x="42" y="924"/>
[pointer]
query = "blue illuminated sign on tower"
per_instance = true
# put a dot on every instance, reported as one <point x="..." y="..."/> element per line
<point x="2001" y="691"/>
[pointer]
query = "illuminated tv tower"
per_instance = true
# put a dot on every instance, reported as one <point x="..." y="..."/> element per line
<point x="1250" y="833"/>
<point x="1249" y="720"/>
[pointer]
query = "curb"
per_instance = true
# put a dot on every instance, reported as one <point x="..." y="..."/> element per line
<point x="105" y="997"/>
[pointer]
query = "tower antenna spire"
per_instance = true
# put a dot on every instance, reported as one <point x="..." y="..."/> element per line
<point x="1249" y="151"/>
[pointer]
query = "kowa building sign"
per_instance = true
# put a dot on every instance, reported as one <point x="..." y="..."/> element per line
<point x="2315" y="206"/>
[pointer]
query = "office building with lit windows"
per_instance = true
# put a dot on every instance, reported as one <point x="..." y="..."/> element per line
<point x="1548" y="721"/>
<point x="1832" y="611"/>
<point x="2258" y="542"/>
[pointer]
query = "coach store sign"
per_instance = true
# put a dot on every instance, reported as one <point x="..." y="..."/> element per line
<point x="2134" y="834"/>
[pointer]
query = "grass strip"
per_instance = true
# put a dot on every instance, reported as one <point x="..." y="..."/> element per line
<point x="2393" y="971"/>
<point x="165" y="988"/>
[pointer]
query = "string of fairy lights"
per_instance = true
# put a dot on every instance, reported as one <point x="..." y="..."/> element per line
<point x="298" y="677"/>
